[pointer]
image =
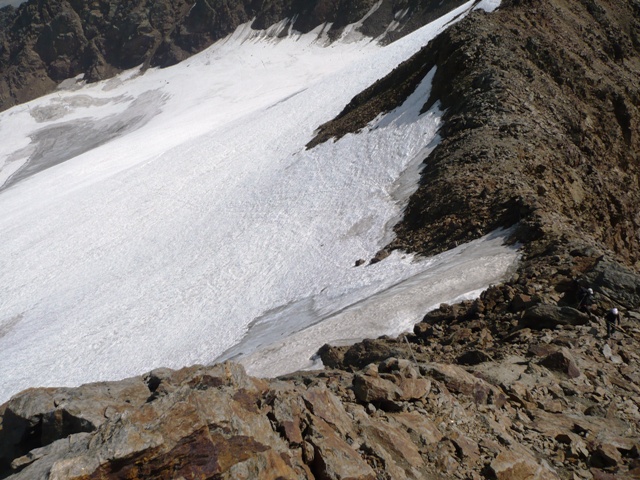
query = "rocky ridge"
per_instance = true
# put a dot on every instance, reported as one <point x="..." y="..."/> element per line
<point x="517" y="384"/>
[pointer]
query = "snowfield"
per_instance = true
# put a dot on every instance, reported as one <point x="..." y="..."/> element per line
<point x="176" y="217"/>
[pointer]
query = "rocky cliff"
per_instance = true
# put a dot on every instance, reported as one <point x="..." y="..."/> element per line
<point x="541" y="132"/>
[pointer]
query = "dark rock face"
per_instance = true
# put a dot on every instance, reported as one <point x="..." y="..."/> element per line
<point x="45" y="42"/>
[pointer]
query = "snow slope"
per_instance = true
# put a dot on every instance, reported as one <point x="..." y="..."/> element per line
<point x="153" y="220"/>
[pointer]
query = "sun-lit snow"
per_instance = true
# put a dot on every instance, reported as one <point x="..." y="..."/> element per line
<point x="487" y="5"/>
<point x="156" y="219"/>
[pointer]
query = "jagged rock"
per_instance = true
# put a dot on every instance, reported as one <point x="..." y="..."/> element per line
<point x="394" y="446"/>
<point x="521" y="302"/>
<point x="323" y="404"/>
<point x="412" y="388"/>
<point x="550" y="316"/>
<point x="466" y="449"/>
<point x="459" y="381"/>
<point x="369" y="351"/>
<point x="334" y="459"/>
<point x="520" y="466"/>
<point x="561" y="361"/>
<point x="420" y="426"/>
<point x="473" y="357"/>
<point x="617" y="283"/>
<point x="375" y="390"/>
<point x="604" y="456"/>
<point x="34" y="421"/>
<point x="332" y="357"/>
<point x="541" y="350"/>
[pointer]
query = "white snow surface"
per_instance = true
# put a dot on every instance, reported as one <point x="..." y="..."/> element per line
<point x="487" y="5"/>
<point x="175" y="217"/>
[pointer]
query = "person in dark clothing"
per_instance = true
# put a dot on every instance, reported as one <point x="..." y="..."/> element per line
<point x="612" y="318"/>
<point x="587" y="299"/>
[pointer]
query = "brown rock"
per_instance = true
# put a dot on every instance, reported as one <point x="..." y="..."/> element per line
<point x="541" y="350"/>
<point x="520" y="302"/>
<point x="604" y="456"/>
<point x="325" y="405"/>
<point x="467" y="450"/>
<point x="458" y="380"/>
<point x="510" y="465"/>
<point x="375" y="390"/>
<point x="419" y="425"/>
<point x="401" y="456"/>
<point x="543" y="316"/>
<point x="473" y="357"/>
<point x="334" y="459"/>
<point x="561" y="361"/>
<point x="412" y="388"/>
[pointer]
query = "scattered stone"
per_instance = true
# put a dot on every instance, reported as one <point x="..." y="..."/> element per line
<point x="561" y="361"/>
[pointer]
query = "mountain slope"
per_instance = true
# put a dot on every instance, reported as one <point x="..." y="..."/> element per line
<point x="45" y="43"/>
<point x="514" y="385"/>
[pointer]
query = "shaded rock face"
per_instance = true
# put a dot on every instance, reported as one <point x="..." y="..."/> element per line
<point x="45" y="42"/>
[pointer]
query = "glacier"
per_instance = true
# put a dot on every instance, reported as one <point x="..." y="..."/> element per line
<point x="172" y="217"/>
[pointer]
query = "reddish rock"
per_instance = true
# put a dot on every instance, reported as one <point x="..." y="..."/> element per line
<point x="375" y="389"/>
<point x="561" y="361"/>
<point x="334" y="459"/>
<point x="510" y="465"/>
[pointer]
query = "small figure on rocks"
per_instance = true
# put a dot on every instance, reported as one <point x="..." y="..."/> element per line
<point x="587" y="300"/>
<point x="612" y="318"/>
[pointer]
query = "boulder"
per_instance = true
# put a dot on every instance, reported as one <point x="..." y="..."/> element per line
<point x="394" y="446"/>
<point x="473" y="357"/>
<point x="375" y="390"/>
<point x="561" y="361"/>
<point x="617" y="283"/>
<point x="543" y="316"/>
<point x="460" y="381"/>
<point x="520" y="465"/>
<point x="38" y="417"/>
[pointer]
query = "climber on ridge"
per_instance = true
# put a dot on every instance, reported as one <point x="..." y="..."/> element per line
<point x="612" y="318"/>
<point x="587" y="299"/>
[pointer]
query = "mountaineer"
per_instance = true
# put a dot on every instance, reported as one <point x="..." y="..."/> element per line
<point x="612" y="318"/>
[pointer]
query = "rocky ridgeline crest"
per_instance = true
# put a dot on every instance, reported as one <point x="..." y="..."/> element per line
<point x="45" y="42"/>
<point x="517" y="384"/>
